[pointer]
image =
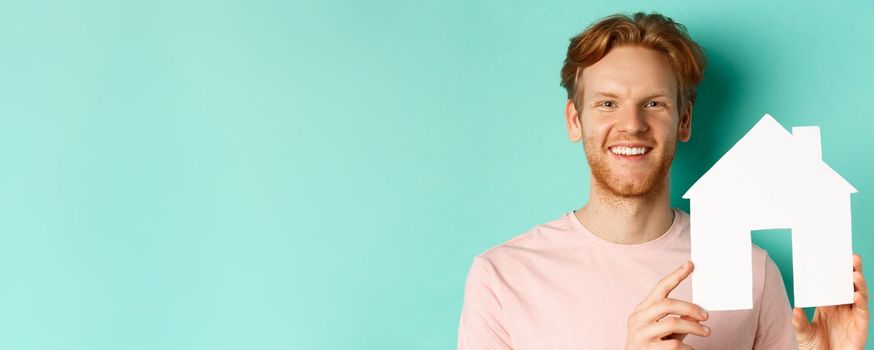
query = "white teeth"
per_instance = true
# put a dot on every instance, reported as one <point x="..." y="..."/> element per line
<point x="629" y="151"/>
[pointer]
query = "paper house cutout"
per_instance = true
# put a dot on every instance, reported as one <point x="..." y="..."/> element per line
<point x="771" y="179"/>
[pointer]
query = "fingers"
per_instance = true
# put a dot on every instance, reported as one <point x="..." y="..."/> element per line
<point x="860" y="302"/>
<point x="648" y="325"/>
<point x="857" y="262"/>
<point x="667" y="284"/>
<point x="667" y="307"/>
<point x="799" y="321"/>
<point x="680" y="336"/>
<point x="671" y="325"/>
<point x="860" y="297"/>
<point x="804" y="332"/>
<point x="859" y="283"/>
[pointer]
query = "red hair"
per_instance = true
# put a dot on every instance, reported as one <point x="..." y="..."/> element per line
<point x="652" y="31"/>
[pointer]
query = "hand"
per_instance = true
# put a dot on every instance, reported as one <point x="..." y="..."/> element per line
<point x="836" y="326"/>
<point x="653" y="324"/>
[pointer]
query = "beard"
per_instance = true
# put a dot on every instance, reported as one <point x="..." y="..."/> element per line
<point x="653" y="182"/>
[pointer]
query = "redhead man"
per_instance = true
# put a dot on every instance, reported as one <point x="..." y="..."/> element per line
<point x="613" y="274"/>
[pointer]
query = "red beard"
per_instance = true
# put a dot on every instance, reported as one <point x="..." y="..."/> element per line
<point x="650" y="184"/>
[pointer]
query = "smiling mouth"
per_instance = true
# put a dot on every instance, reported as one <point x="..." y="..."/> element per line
<point x="629" y="151"/>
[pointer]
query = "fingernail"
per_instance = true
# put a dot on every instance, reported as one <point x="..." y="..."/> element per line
<point x="707" y="329"/>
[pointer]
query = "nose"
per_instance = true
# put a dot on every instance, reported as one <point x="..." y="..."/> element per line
<point x="632" y="122"/>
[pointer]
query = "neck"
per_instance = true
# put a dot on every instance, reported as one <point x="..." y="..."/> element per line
<point x="627" y="220"/>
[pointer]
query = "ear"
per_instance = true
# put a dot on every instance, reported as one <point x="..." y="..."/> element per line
<point x="684" y="131"/>
<point x="572" y="119"/>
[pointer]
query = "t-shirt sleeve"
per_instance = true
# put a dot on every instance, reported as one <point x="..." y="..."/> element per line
<point x="480" y="325"/>
<point x="774" y="329"/>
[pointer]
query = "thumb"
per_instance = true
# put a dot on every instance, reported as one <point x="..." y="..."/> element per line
<point x="799" y="321"/>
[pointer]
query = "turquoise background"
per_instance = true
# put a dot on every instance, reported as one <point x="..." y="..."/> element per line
<point x="282" y="175"/>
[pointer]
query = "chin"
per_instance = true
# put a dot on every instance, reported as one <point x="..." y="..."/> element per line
<point x="631" y="190"/>
<point x="642" y="186"/>
<point x="648" y="180"/>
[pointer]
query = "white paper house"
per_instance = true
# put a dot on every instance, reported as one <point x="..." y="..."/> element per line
<point x="771" y="179"/>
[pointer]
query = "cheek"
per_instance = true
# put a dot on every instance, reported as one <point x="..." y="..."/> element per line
<point x="669" y="128"/>
<point x="595" y="138"/>
<point x="595" y="128"/>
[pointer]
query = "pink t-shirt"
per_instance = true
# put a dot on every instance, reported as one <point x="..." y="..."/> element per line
<point x="558" y="286"/>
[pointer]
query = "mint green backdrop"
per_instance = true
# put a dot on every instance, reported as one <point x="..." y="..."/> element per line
<point x="275" y="175"/>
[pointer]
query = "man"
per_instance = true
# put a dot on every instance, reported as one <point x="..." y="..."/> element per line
<point x="606" y="276"/>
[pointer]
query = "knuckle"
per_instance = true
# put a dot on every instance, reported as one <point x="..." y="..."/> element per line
<point x="668" y="305"/>
<point x="672" y="322"/>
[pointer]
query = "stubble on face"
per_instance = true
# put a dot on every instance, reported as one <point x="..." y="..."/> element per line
<point x="630" y="78"/>
<point x="649" y="186"/>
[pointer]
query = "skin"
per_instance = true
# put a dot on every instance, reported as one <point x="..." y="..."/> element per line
<point x="652" y="325"/>
<point x="837" y="326"/>
<point x="629" y="98"/>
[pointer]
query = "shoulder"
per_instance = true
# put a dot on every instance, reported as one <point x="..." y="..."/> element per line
<point x="774" y="314"/>
<point x="538" y="240"/>
<point x="766" y="274"/>
<point x="760" y="256"/>
<point x="762" y="261"/>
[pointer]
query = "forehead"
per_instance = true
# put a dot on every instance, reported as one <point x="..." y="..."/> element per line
<point x="630" y="71"/>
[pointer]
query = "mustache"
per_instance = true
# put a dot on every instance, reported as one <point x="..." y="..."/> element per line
<point x="647" y="141"/>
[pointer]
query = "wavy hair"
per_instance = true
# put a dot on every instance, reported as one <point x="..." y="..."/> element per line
<point x="652" y="31"/>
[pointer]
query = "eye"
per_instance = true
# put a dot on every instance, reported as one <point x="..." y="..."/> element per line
<point x="608" y="104"/>
<point x="654" y="104"/>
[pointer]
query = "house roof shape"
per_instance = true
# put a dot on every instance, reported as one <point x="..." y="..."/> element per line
<point x="785" y="160"/>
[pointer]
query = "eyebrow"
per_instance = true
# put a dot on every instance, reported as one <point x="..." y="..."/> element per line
<point x="612" y="95"/>
<point x="605" y="94"/>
